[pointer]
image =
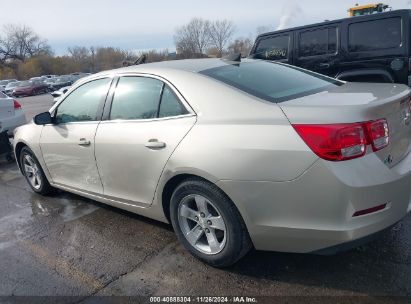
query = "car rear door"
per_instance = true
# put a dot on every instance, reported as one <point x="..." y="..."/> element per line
<point x="68" y="144"/>
<point x="146" y="121"/>
<point x="317" y="49"/>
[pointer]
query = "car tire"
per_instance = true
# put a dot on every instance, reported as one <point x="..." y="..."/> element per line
<point x="218" y="236"/>
<point x="33" y="172"/>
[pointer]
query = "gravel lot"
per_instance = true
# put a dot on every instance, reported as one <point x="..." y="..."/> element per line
<point x="67" y="245"/>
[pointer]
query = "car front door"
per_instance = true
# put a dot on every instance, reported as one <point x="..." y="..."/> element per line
<point x="68" y="144"/>
<point x="147" y="121"/>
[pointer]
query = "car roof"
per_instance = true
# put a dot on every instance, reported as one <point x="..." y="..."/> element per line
<point x="329" y="22"/>
<point x="188" y="65"/>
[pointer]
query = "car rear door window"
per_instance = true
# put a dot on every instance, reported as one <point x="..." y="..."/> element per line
<point x="170" y="104"/>
<point x="374" y="35"/>
<point x="83" y="104"/>
<point x="136" y="98"/>
<point x="273" y="48"/>
<point x="318" y="42"/>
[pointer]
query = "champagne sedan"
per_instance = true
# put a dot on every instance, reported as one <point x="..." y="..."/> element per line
<point x="235" y="154"/>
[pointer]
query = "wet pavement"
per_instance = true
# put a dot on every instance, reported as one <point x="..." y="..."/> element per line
<point x="67" y="245"/>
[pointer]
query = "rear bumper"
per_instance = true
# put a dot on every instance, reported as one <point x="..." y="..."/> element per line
<point x="352" y="244"/>
<point x="316" y="210"/>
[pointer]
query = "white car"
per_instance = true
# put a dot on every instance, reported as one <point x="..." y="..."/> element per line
<point x="11" y="114"/>
<point x="59" y="93"/>
<point x="4" y="83"/>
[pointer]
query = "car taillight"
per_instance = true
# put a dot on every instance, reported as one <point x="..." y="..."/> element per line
<point x="338" y="142"/>
<point x="17" y="105"/>
<point x="378" y="134"/>
<point x="334" y="142"/>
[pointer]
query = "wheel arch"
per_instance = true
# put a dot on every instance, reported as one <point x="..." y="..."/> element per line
<point x="171" y="185"/>
<point x="173" y="182"/>
<point x="17" y="150"/>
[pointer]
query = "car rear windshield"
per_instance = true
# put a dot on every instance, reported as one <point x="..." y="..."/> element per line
<point x="271" y="81"/>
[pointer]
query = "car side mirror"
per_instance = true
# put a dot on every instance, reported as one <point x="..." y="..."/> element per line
<point x="43" y="119"/>
<point x="56" y="94"/>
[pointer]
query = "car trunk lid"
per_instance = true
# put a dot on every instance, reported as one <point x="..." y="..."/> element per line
<point x="359" y="102"/>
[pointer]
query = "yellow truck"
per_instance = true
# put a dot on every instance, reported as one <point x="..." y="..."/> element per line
<point x="368" y="9"/>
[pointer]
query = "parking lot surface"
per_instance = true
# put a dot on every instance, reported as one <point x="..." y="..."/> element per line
<point x="67" y="245"/>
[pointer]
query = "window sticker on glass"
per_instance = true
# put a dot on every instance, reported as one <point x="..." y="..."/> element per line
<point x="273" y="48"/>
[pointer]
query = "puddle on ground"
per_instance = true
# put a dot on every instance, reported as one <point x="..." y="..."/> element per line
<point x="14" y="226"/>
<point x="65" y="208"/>
<point x="17" y="225"/>
<point x="9" y="172"/>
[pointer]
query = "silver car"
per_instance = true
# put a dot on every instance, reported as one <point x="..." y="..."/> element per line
<point x="234" y="154"/>
<point x="11" y="114"/>
<point x="4" y="83"/>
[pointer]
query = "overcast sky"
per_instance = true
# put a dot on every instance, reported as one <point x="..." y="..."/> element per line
<point x="139" y="25"/>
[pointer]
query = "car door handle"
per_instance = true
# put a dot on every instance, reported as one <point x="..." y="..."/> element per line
<point x="155" y="144"/>
<point x="324" y="65"/>
<point x="84" y="142"/>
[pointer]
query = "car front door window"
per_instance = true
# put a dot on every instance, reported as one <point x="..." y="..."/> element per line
<point x="84" y="103"/>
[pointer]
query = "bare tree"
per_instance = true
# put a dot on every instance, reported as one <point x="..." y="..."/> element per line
<point x="21" y="42"/>
<point x="193" y="37"/>
<point x="92" y="59"/>
<point x="241" y="45"/>
<point x="221" y="31"/>
<point x="79" y="53"/>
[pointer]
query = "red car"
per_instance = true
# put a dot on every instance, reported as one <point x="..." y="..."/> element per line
<point x="30" y="88"/>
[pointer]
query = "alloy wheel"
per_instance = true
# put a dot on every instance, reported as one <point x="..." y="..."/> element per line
<point x="202" y="224"/>
<point x="32" y="172"/>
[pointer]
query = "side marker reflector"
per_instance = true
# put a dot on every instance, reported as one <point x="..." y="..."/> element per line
<point x="370" y="210"/>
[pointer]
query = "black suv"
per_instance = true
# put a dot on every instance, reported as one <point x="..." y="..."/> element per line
<point x="373" y="48"/>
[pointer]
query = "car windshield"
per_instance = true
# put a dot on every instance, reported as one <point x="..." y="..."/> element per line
<point x="25" y="84"/>
<point x="3" y="82"/>
<point x="271" y="81"/>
